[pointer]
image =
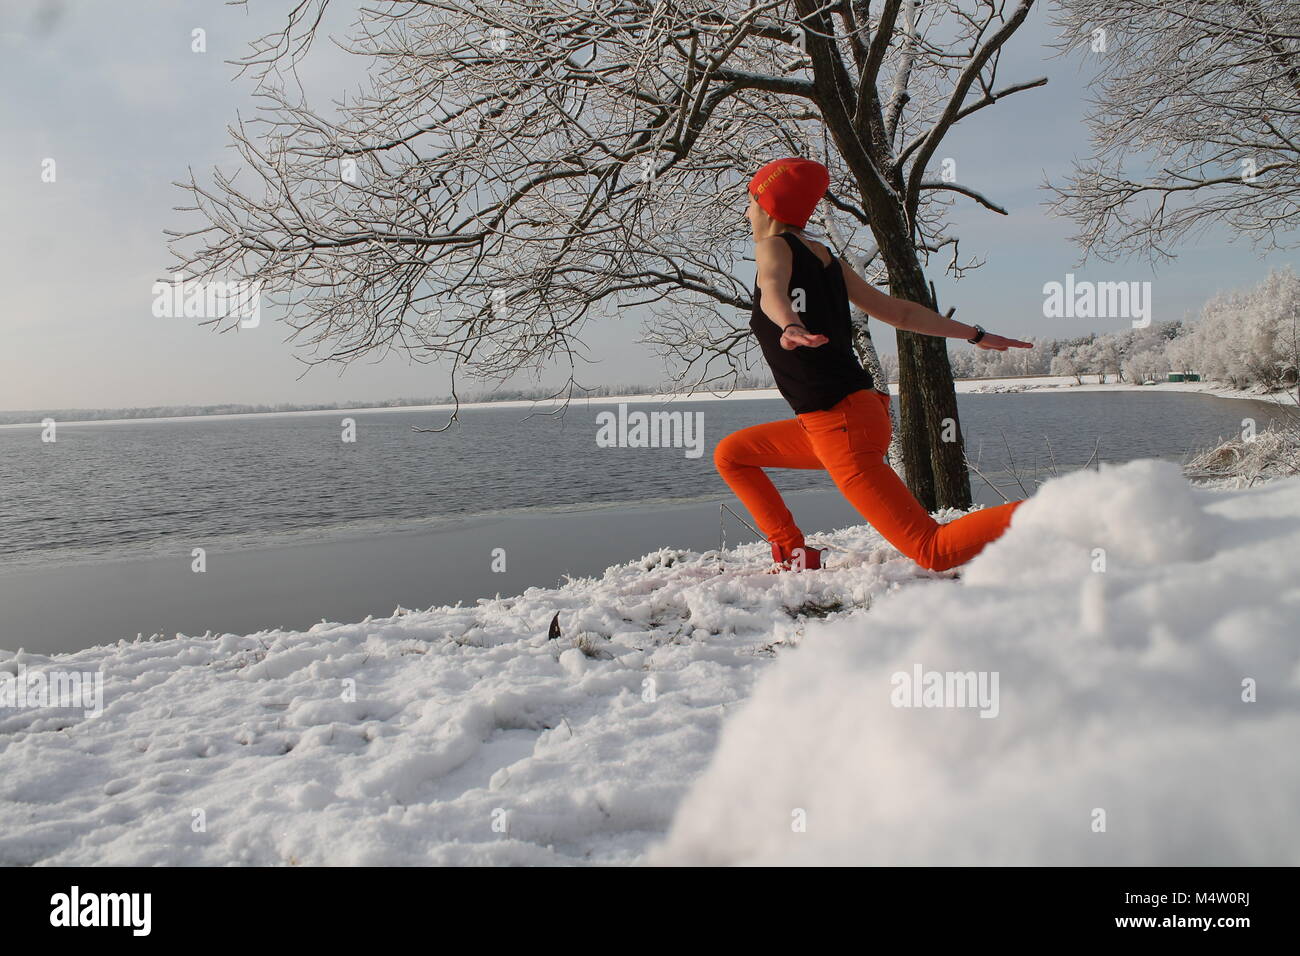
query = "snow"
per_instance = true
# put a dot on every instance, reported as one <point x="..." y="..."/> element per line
<point x="688" y="710"/>
<point x="1032" y="383"/>
<point x="1119" y="691"/>
<point x="460" y="714"/>
<point x="640" y="398"/>
<point x="1067" y="383"/>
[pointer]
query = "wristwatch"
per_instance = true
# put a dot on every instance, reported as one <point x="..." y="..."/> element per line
<point x="979" y="334"/>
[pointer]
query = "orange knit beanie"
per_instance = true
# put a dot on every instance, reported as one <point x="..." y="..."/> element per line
<point x="789" y="189"/>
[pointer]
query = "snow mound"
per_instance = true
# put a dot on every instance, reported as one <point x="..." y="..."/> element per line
<point x="1142" y="714"/>
<point x="1131" y="515"/>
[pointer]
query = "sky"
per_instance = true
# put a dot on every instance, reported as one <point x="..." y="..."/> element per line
<point x="113" y="93"/>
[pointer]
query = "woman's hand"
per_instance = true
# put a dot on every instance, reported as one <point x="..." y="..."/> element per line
<point x="1000" y="344"/>
<point x="794" y="336"/>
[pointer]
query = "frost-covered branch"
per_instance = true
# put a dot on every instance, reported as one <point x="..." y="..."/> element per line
<point x="1196" y="123"/>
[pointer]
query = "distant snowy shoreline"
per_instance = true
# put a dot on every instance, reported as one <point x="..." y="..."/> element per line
<point x="1067" y="383"/>
<point x="970" y="386"/>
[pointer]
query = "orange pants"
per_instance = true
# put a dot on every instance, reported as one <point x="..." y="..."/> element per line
<point x="850" y="440"/>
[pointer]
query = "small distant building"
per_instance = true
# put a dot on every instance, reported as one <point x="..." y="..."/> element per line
<point x="1184" y="377"/>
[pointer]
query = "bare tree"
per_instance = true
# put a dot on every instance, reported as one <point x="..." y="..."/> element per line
<point x="1204" y="96"/>
<point x="511" y="170"/>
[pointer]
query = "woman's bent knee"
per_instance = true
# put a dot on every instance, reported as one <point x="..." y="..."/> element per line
<point x="934" y="562"/>
<point x="724" y="453"/>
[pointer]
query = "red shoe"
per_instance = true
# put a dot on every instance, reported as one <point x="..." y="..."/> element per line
<point x="799" y="559"/>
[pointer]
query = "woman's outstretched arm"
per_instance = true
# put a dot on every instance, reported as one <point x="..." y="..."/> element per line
<point x="913" y="317"/>
<point x="773" y="258"/>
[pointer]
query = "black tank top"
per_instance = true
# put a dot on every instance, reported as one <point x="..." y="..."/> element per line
<point x="812" y="379"/>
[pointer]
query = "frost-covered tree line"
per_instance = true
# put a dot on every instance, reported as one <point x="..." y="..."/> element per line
<point x="1247" y="337"/>
<point x="1244" y="338"/>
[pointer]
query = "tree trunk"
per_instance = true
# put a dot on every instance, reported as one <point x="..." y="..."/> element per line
<point x="935" y="469"/>
<point x="947" y="448"/>
<point x="913" y="423"/>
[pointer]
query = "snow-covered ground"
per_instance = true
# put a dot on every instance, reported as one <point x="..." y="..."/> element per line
<point x="963" y="386"/>
<point x="465" y="735"/>
<point x="1067" y="383"/>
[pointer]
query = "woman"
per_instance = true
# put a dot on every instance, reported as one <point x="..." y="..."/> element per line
<point x="801" y="319"/>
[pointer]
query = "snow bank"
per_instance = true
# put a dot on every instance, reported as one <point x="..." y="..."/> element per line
<point x="1118" y="733"/>
<point x="1243" y="460"/>
<point x="1070" y="385"/>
